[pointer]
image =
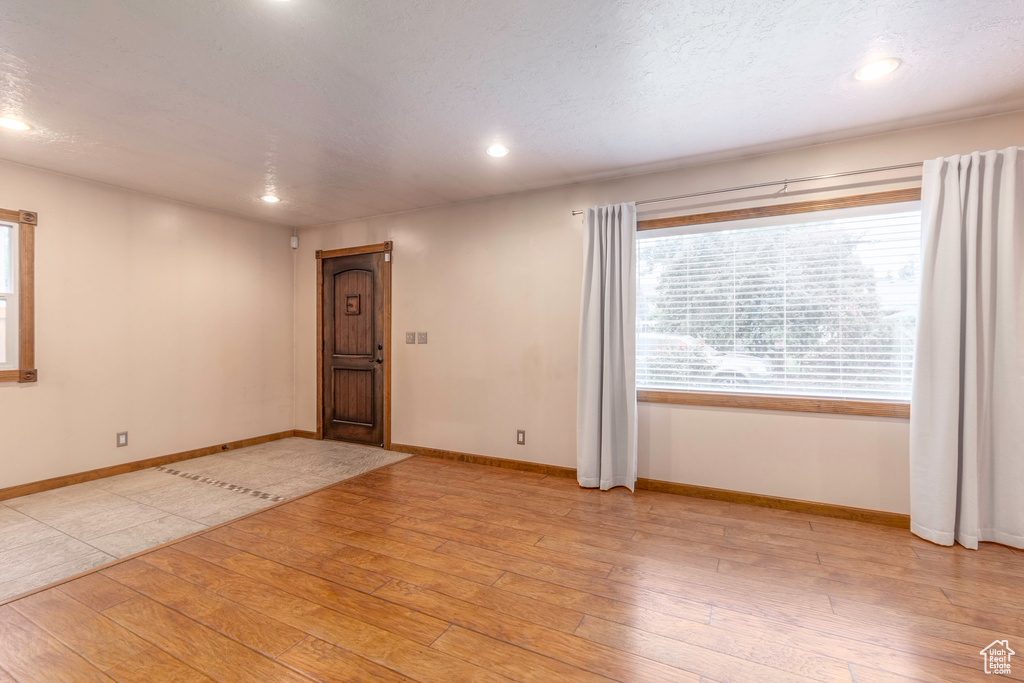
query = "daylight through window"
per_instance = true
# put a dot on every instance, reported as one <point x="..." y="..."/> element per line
<point x="810" y="308"/>
<point x="8" y="296"/>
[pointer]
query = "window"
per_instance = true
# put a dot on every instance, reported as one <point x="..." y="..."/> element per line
<point x="818" y="304"/>
<point x="17" y="334"/>
<point x="8" y="296"/>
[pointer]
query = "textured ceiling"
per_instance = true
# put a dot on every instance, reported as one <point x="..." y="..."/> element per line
<point x="349" y="109"/>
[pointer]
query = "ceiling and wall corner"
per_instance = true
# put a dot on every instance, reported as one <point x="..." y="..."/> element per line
<point x="344" y="109"/>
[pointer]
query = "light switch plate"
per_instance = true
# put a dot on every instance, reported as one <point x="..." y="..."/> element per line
<point x="521" y="437"/>
<point x="410" y="337"/>
<point x="122" y="439"/>
<point x="421" y="337"/>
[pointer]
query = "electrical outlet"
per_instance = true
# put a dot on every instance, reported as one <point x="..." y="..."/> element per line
<point x="521" y="437"/>
<point x="122" y="439"/>
<point x="421" y="337"/>
<point x="410" y="337"/>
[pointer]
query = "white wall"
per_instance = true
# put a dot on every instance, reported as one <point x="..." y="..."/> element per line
<point x="165" y="320"/>
<point x="496" y="283"/>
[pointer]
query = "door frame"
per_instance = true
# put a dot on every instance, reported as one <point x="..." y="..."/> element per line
<point x="386" y="277"/>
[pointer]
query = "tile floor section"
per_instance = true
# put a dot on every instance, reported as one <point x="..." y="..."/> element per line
<point x="52" y="535"/>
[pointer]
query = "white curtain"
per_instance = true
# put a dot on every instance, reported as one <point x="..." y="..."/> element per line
<point x="967" y="419"/>
<point x="606" y="421"/>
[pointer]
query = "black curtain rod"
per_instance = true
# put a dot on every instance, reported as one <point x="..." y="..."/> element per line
<point x="774" y="183"/>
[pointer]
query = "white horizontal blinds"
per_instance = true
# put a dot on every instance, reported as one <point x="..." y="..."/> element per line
<point x="3" y="330"/>
<point x="8" y="301"/>
<point x="824" y="308"/>
<point x="6" y="258"/>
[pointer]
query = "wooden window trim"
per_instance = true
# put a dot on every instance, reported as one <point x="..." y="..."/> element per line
<point x="799" y="404"/>
<point x="889" y="197"/>
<point x="896" y="409"/>
<point x="26" y="371"/>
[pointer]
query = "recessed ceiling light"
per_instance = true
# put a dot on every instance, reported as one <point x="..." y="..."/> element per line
<point x="13" y="124"/>
<point x="877" y="69"/>
<point x="270" y="199"/>
<point x="497" y="150"/>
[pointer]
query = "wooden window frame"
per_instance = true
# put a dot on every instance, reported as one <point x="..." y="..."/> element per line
<point x="320" y="255"/>
<point x="26" y="372"/>
<point x="803" y="404"/>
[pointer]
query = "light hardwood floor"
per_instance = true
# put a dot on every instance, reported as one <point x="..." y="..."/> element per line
<point x="49" y="536"/>
<point x="434" y="570"/>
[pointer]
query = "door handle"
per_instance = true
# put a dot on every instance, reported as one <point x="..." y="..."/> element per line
<point x="376" y="360"/>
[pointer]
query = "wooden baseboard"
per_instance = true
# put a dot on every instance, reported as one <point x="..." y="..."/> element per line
<point x="90" y="475"/>
<point x="522" y="466"/>
<point x="893" y="519"/>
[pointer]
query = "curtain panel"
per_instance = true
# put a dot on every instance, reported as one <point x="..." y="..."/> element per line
<point x="967" y="421"/>
<point x="606" y="418"/>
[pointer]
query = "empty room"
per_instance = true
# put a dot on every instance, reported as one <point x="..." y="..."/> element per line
<point x="466" y="340"/>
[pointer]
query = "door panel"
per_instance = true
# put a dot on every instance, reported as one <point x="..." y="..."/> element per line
<point x="353" y="331"/>
<point x="353" y="346"/>
<point x="353" y="396"/>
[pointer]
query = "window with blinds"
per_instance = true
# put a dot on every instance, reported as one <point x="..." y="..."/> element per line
<point x="8" y="296"/>
<point x="811" y="307"/>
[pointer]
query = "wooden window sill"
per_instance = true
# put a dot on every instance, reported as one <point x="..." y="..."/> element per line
<point x="800" y="404"/>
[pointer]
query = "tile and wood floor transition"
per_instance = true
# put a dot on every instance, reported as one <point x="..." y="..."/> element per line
<point x="48" y="536"/>
<point x="434" y="570"/>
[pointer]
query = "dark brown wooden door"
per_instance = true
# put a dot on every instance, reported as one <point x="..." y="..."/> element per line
<point x="353" y="348"/>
